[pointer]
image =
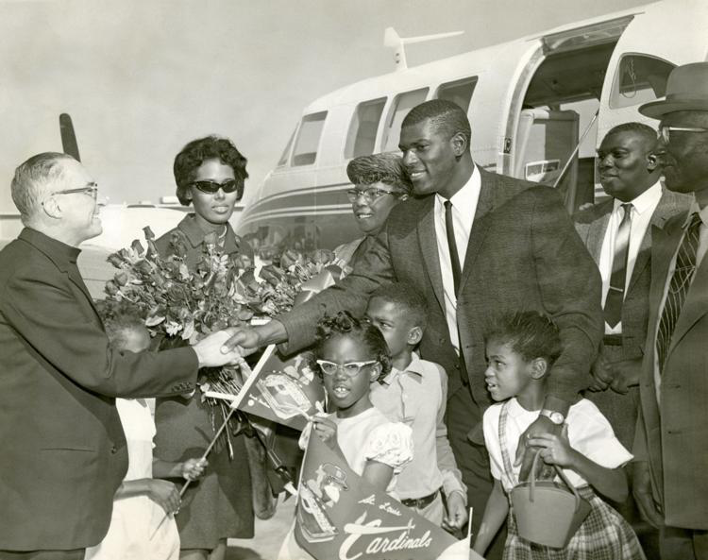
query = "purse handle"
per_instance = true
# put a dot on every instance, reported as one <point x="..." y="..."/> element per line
<point x="559" y="472"/>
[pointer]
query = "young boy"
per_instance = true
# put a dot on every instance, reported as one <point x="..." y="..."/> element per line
<point x="415" y="392"/>
<point x="142" y="523"/>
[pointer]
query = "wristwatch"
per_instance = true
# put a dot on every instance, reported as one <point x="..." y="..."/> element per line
<point x="553" y="416"/>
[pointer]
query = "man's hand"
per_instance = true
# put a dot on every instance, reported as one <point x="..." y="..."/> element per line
<point x="602" y="374"/>
<point x="641" y="489"/>
<point x="525" y="453"/>
<point x="456" y="512"/>
<point x="210" y="350"/>
<point x="626" y="373"/>
<point x="249" y="339"/>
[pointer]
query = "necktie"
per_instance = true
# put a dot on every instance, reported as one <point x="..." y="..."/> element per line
<point x="452" y="246"/>
<point x="618" y="279"/>
<point x="678" y="287"/>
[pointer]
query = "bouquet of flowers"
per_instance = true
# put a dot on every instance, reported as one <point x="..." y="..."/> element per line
<point x="182" y="305"/>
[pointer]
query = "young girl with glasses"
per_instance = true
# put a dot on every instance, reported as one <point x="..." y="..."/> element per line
<point x="350" y="354"/>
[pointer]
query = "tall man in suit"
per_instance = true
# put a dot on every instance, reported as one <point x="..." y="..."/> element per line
<point x="617" y="233"/>
<point x="476" y="244"/>
<point x="63" y="448"/>
<point x="671" y="469"/>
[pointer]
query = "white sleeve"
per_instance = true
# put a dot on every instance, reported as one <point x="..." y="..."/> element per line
<point x="490" y="425"/>
<point x="591" y="434"/>
<point x="390" y="444"/>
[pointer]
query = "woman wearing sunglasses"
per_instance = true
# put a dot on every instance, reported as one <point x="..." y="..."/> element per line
<point x="210" y="174"/>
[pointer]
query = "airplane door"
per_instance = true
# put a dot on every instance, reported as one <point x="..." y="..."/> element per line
<point x="666" y="35"/>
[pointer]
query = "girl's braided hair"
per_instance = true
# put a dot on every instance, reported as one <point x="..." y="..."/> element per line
<point x="345" y="324"/>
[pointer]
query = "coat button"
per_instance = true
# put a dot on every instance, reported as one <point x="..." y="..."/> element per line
<point x="114" y="450"/>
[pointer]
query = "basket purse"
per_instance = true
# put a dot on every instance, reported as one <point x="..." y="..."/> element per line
<point x="546" y="513"/>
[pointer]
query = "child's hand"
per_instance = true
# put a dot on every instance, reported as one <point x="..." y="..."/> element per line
<point x="165" y="494"/>
<point x="556" y="450"/>
<point x="326" y="430"/>
<point x="192" y="469"/>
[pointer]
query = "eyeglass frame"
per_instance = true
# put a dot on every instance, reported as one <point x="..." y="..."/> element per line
<point x="238" y="189"/>
<point x="342" y="367"/>
<point x="664" y="131"/>
<point x="91" y="189"/>
<point x="354" y="194"/>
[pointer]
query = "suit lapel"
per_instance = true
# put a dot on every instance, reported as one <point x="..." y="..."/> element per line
<point x="694" y="306"/>
<point x="429" y="247"/>
<point x="663" y="212"/>
<point x="480" y="224"/>
<point x="664" y="245"/>
<point x="597" y="229"/>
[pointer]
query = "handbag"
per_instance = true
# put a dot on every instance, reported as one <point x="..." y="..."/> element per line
<point x="547" y="513"/>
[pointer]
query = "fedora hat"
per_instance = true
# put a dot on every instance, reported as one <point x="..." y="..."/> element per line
<point x="687" y="90"/>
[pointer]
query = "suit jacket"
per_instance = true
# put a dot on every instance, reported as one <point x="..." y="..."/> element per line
<point x="591" y="225"/>
<point x="673" y="435"/>
<point x="63" y="449"/>
<point x="523" y="253"/>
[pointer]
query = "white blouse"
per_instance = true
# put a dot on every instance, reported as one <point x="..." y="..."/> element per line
<point x="589" y="433"/>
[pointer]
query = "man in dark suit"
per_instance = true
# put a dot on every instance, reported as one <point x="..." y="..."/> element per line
<point x="671" y="468"/>
<point x="63" y="449"/>
<point x="476" y="244"/>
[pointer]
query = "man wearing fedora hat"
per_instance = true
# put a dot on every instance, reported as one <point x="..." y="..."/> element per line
<point x="671" y="443"/>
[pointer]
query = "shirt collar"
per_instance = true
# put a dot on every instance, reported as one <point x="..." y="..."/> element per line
<point x="415" y="368"/>
<point x="195" y="235"/>
<point x="61" y="254"/>
<point x="515" y="410"/>
<point x="646" y="201"/>
<point x="468" y="195"/>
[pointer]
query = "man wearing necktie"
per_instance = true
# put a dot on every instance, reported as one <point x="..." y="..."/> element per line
<point x="617" y="233"/>
<point x="671" y="443"/>
<point x="476" y="244"/>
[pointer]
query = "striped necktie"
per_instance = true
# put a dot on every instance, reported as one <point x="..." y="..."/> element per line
<point x="618" y="279"/>
<point x="678" y="287"/>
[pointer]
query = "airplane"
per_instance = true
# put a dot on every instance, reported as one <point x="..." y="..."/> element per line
<point x="539" y="106"/>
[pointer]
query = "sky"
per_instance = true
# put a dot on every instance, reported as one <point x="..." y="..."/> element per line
<point x="141" y="78"/>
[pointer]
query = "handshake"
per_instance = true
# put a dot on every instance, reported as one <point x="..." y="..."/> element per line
<point x="212" y="352"/>
<point x="232" y="344"/>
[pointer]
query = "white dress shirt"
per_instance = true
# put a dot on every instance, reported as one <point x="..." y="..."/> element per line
<point x="642" y="210"/>
<point x="464" y="205"/>
<point x="700" y="254"/>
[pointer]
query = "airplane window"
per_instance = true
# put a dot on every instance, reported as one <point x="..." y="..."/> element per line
<point x="308" y="139"/>
<point x="459" y="91"/>
<point x="403" y="103"/>
<point x="362" y="131"/>
<point x="639" y="79"/>
<point x="286" y="152"/>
